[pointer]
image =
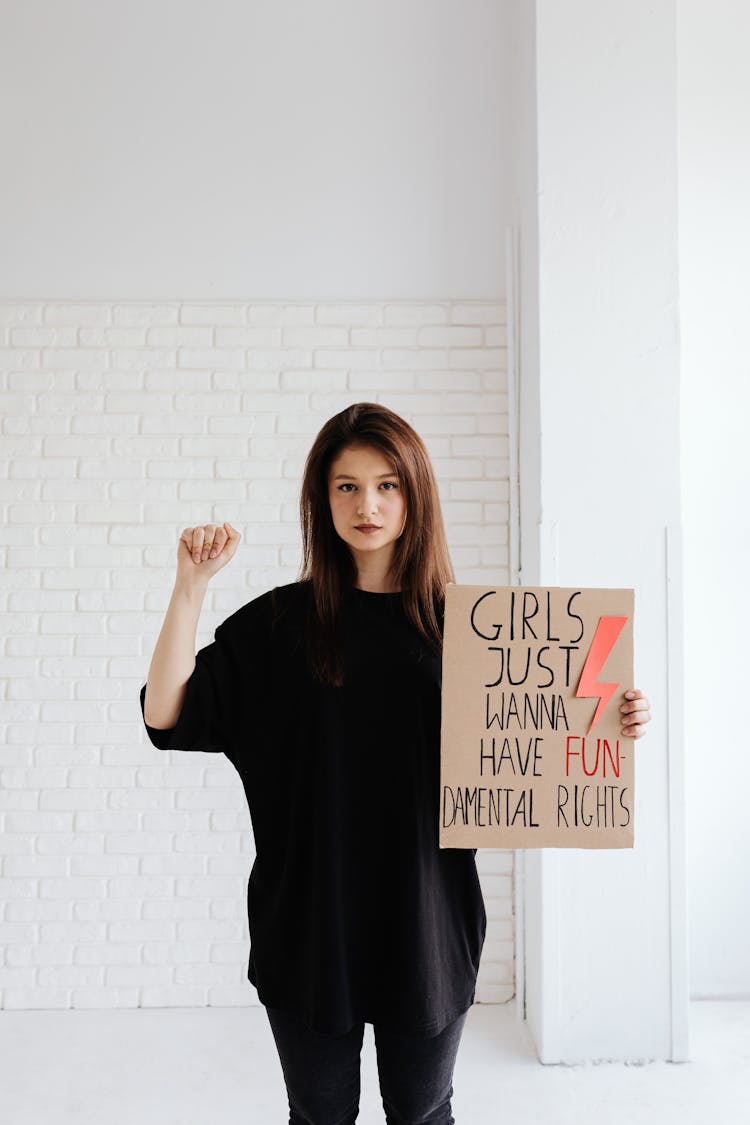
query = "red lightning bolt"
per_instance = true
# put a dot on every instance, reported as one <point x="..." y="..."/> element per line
<point x="607" y="632"/>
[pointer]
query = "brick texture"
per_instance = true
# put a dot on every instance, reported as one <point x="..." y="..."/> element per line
<point x="122" y="869"/>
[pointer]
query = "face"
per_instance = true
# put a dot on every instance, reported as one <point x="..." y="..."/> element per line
<point x="367" y="501"/>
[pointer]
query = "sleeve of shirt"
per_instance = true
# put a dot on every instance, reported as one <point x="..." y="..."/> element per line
<point x="226" y="672"/>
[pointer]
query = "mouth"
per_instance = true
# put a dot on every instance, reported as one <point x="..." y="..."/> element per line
<point x="368" y="527"/>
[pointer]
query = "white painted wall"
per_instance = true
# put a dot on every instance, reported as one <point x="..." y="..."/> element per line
<point x="178" y="149"/>
<point x="218" y="224"/>
<point x="714" y="151"/>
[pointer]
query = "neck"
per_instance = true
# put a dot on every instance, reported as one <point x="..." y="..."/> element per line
<point x="375" y="578"/>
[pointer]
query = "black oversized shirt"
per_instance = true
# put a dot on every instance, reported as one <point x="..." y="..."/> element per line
<point x="355" y="912"/>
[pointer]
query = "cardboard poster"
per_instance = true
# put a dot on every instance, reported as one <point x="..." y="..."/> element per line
<point x="531" y="751"/>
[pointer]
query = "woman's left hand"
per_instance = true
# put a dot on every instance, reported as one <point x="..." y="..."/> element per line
<point x="635" y="713"/>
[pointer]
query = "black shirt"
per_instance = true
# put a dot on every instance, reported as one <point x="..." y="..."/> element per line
<point x="355" y="912"/>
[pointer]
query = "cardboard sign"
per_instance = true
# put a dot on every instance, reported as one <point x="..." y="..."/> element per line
<point x="532" y="754"/>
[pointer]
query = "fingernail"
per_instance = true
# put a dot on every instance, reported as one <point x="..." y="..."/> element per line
<point x="212" y="553"/>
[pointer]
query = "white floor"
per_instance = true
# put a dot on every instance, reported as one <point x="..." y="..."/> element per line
<point x="218" y="1066"/>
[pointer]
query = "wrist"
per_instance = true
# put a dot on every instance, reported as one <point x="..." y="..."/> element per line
<point x="191" y="590"/>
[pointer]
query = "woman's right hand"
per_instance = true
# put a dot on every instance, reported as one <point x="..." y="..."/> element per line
<point x="203" y="551"/>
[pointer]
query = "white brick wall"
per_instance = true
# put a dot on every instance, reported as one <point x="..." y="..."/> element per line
<point x="123" y="869"/>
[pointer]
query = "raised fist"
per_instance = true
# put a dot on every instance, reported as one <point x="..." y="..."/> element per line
<point x="205" y="550"/>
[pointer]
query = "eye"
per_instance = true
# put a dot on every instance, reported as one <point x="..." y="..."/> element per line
<point x="346" y="486"/>
<point x="389" y="484"/>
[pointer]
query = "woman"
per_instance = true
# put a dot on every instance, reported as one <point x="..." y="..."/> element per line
<point x="325" y="695"/>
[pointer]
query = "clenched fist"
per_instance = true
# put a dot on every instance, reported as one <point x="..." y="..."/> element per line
<point x="203" y="551"/>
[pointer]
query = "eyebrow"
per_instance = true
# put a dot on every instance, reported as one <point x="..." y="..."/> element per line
<point x="345" y="476"/>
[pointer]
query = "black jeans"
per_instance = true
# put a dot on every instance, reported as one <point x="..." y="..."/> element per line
<point x="322" y="1079"/>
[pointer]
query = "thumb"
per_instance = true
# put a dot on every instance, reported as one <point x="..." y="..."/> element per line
<point x="234" y="535"/>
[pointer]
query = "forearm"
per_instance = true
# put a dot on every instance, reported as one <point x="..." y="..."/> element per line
<point x="173" y="660"/>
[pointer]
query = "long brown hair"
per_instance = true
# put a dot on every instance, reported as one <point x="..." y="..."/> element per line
<point x="421" y="566"/>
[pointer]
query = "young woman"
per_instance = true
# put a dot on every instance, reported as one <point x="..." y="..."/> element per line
<point x="325" y="695"/>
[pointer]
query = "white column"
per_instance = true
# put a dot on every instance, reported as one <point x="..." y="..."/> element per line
<point x="595" y="171"/>
<point x="714" y="101"/>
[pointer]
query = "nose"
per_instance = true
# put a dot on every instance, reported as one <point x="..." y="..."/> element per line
<point x="367" y="502"/>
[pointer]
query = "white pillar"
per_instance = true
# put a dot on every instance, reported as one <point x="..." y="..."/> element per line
<point x="714" y="101"/>
<point x="595" y="169"/>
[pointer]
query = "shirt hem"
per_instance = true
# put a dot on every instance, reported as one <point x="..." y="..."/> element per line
<point x="422" y="1031"/>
